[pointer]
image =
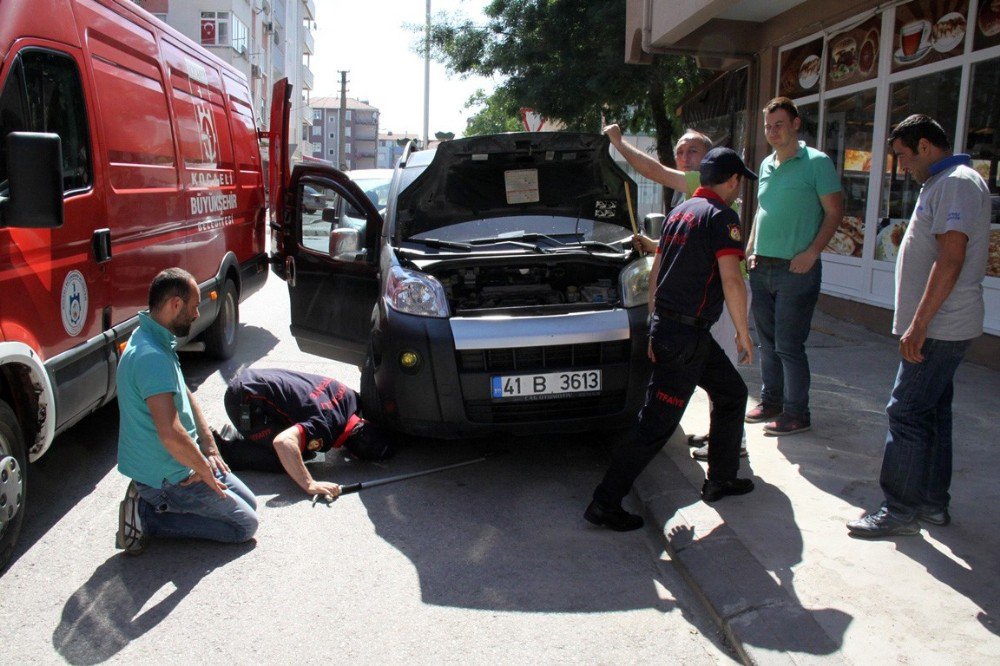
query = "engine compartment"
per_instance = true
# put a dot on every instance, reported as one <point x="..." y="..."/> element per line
<point x="529" y="285"/>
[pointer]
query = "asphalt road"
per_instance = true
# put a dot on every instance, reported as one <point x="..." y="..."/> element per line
<point x="490" y="563"/>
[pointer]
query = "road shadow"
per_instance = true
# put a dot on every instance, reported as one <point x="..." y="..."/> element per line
<point x="109" y="611"/>
<point x="528" y="551"/>
<point x="68" y="472"/>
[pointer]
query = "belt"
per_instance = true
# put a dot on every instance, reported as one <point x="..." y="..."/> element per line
<point x="697" y="322"/>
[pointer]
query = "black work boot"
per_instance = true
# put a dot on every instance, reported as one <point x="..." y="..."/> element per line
<point x="615" y="518"/>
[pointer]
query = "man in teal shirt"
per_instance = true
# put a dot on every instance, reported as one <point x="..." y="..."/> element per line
<point x="800" y="204"/>
<point x="179" y="489"/>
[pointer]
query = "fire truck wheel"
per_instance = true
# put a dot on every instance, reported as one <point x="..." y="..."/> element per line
<point x="13" y="482"/>
<point x="220" y="337"/>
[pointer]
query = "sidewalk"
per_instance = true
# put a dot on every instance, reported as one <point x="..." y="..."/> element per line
<point x="777" y="567"/>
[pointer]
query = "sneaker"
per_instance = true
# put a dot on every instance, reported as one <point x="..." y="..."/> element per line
<point x="697" y="440"/>
<point x="712" y="491"/>
<point x="615" y="518"/>
<point x="882" y="523"/>
<point x="786" y="425"/>
<point x="701" y="453"/>
<point x="761" y="413"/>
<point x="934" y="516"/>
<point x="130" y="537"/>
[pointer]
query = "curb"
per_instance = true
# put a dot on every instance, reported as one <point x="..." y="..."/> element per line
<point x="763" y="622"/>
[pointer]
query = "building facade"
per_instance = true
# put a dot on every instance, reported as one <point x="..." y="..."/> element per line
<point x="265" y="39"/>
<point x="390" y="148"/>
<point x="360" y="133"/>
<point x="855" y="69"/>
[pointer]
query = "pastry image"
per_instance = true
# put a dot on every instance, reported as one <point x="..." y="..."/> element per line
<point x="809" y="72"/>
<point x="948" y="32"/>
<point x="989" y="17"/>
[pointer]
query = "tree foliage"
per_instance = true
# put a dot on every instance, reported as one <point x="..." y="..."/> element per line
<point x="565" y="59"/>
<point x="496" y="113"/>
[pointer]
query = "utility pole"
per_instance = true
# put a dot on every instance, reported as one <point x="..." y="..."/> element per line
<point x="342" y="123"/>
<point x="427" y="74"/>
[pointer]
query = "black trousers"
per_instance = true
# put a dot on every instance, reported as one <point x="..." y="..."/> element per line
<point x="257" y="426"/>
<point x="686" y="357"/>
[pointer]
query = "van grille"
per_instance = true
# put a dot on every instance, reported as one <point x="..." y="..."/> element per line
<point x="485" y="411"/>
<point x="555" y="357"/>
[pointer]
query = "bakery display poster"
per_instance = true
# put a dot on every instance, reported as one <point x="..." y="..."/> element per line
<point x="849" y="237"/>
<point x="852" y="56"/>
<point x="800" y="66"/>
<point x="987" y="29"/>
<point x="927" y="31"/>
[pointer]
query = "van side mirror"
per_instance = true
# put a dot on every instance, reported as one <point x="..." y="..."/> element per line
<point x="653" y="223"/>
<point x="34" y="172"/>
<point x="345" y="244"/>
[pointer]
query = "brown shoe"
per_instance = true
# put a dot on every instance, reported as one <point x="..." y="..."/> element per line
<point x="762" y="412"/>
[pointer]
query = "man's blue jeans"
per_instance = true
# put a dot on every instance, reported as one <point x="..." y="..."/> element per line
<point x="782" y="306"/>
<point x="195" y="511"/>
<point x="916" y="465"/>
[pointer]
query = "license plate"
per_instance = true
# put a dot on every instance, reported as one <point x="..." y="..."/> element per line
<point x="547" y="384"/>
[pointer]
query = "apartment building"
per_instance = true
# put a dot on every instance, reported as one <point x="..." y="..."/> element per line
<point x="360" y="132"/>
<point x="265" y="39"/>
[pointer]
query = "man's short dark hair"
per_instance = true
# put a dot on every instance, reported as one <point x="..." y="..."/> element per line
<point x="917" y="127"/>
<point x="367" y="441"/>
<point x="168" y="283"/>
<point x="782" y="103"/>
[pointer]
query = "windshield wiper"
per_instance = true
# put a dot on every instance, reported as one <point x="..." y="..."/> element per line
<point x="606" y="246"/>
<point x="514" y="238"/>
<point x="438" y="243"/>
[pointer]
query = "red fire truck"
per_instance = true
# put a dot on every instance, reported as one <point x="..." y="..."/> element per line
<point x="125" y="148"/>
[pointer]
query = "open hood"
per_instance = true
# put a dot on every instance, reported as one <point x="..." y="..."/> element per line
<point x="562" y="174"/>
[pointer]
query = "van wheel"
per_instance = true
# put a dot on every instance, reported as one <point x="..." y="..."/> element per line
<point x="13" y="482"/>
<point x="220" y="337"/>
<point x="371" y="401"/>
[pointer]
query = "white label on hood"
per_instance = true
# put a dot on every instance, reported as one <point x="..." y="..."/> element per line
<point x="521" y="186"/>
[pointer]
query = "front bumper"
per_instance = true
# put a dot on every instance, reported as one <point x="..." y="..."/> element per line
<point x="447" y="394"/>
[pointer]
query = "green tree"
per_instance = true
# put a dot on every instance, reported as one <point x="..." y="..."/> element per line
<point x="497" y="114"/>
<point x="564" y="58"/>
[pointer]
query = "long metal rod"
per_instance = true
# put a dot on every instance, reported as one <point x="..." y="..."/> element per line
<point x="364" y="485"/>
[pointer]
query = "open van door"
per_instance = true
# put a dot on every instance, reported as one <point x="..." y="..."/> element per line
<point x="278" y="171"/>
<point x="330" y="263"/>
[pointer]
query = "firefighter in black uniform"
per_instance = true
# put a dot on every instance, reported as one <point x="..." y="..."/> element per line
<point x="697" y="266"/>
<point x="283" y="418"/>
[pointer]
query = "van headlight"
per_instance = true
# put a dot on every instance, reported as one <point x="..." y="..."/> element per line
<point x="635" y="282"/>
<point x="415" y="293"/>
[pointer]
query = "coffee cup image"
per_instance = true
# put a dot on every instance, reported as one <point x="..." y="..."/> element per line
<point x="913" y="36"/>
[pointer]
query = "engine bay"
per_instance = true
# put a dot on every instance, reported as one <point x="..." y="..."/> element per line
<point x="531" y="285"/>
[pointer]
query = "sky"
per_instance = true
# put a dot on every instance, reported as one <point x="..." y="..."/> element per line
<point x="367" y="38"/>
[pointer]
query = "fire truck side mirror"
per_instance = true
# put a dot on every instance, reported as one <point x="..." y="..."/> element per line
<point x="34" y="172"/>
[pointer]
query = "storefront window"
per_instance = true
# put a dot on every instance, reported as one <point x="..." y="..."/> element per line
<point x="848" y="141"/>
<point x="982" y="142"/>
<point x="935" y="95"/>
<point x="809" y="129"/>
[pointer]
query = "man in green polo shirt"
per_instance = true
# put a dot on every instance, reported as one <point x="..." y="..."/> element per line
<point x="800" y="203"/>
<point x="181" y="486"/>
